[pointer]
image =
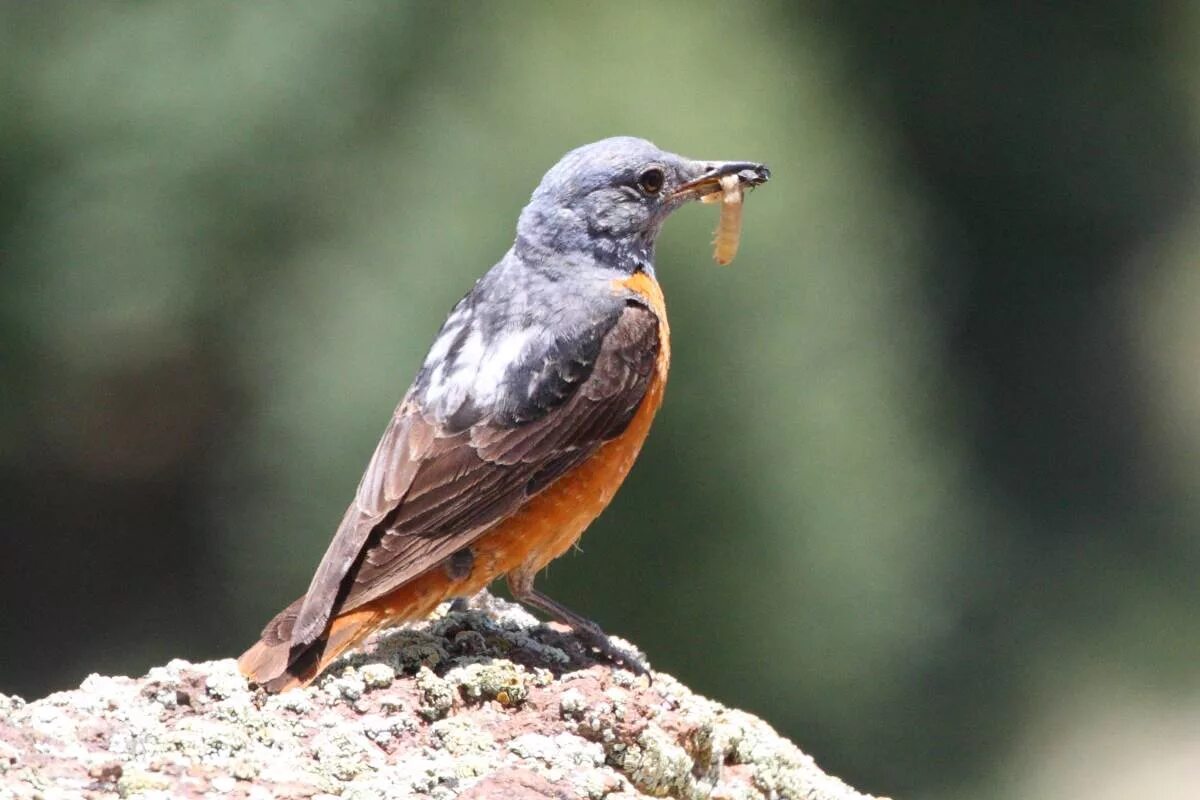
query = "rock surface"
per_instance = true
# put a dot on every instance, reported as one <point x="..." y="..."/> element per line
<point x="478" y="703"/>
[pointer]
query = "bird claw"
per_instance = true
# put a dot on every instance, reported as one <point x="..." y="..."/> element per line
<point x="602" y="645"/>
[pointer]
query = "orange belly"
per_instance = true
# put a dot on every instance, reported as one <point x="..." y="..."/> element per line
<point x="551" y="522"/>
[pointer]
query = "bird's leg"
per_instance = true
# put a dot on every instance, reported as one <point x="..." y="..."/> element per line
<point x="557" y="611"/>
<point x="520" y="583"/>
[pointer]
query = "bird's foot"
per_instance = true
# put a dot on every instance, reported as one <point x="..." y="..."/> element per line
<point x="624" y="657"/>
<point x="589" y="634"/>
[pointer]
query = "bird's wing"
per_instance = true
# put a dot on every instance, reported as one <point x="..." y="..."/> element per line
<point x="432" y="489"/>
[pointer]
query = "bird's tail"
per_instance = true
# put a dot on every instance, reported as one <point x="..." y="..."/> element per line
<point x="277" y="665"/>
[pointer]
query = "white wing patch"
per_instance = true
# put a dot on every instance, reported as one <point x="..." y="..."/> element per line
<point x="474" y="370"/>
<point x="502" y="354"/>
<point x="450" y="329"/>
<point x="470" y="355"/>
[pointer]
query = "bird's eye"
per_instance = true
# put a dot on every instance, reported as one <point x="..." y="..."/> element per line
<point x="651" y="181"/>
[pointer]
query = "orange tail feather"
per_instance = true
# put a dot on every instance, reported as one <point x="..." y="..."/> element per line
<point x="277" y="666"/>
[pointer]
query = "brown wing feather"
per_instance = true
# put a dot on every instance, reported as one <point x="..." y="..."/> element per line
<point x="426" y="495"/>
<point x="405" y="444"/>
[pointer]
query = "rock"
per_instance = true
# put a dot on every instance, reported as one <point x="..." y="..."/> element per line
<point x="484" y="702"/>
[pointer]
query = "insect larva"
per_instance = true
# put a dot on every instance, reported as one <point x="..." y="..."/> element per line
<point x="729" y="227"/>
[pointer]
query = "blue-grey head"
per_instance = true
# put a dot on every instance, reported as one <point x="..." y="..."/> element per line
<point x="607" y="201"/>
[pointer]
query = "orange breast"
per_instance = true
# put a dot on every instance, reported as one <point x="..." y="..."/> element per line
<point x="553" y="521"/>
<point x="550" y="523"/>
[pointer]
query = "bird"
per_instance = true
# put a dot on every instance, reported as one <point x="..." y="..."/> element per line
<point x="523" y="420"/>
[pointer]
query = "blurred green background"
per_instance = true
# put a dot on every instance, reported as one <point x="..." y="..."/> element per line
<point x="924" y="491"/>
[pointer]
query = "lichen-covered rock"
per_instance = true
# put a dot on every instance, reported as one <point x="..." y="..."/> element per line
<point x="480" y="703"/>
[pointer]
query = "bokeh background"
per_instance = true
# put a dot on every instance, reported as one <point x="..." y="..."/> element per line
<point x="924" y="491"/>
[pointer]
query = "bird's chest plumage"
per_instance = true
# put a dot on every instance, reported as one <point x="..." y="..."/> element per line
<point x="550" y="523"/>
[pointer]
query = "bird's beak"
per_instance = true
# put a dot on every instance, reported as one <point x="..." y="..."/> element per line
<point x="709" y="181"/>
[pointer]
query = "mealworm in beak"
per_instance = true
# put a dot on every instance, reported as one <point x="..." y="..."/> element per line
<point x="729" y="227"/>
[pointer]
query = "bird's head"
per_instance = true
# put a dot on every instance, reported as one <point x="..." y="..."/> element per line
<point x="608" y="200"/>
